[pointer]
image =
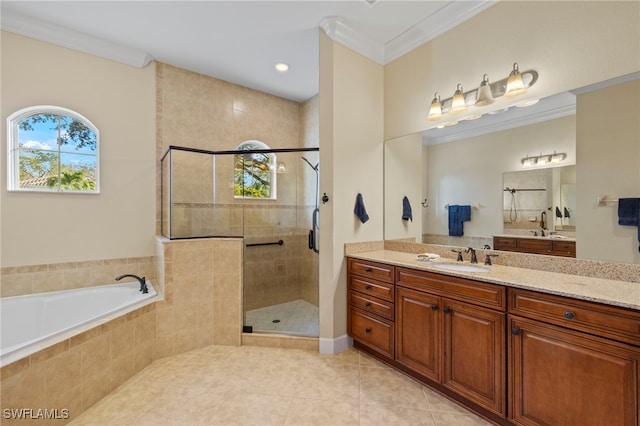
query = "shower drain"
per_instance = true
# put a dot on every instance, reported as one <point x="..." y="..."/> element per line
<point x="275" y="321"/>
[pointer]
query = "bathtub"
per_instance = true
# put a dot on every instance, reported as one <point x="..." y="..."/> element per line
<point x="33" y="322"/>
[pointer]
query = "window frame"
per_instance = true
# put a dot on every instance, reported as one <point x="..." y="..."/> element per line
<point x="13" y="151"/>
<point x="261" y="146"/>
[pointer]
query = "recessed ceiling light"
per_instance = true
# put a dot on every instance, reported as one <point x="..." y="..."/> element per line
<point x="282" y="67"/>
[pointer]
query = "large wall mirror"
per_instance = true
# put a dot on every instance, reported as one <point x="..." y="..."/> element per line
<point x="473" y="163"/>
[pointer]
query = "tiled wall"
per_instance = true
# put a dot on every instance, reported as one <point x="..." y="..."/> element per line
<point x="197" y="111"/>
<point x="79" y="371"/>
<point x="19" y="280"/>
<point x="203" y="294"/>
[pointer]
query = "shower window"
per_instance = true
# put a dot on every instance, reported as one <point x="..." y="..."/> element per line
<point x="254" y="172"/>
<point x="52" y="149"/>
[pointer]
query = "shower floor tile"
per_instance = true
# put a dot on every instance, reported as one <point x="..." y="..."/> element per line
<point x="299" y="318"/>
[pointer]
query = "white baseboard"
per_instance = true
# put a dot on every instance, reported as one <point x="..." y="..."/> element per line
<point x="335" y="345"/>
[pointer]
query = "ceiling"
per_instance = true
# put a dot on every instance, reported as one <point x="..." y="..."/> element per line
<point x="238" y="41"/>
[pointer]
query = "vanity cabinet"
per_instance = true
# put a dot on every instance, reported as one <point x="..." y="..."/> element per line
<point x="371" y="307"/>
<point x="441" y="335"/>
<point x="572" y="362"/>
<point x="535" y="245"/>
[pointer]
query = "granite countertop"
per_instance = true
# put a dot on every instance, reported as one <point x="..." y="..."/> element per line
<point x="554" y="237"/>
<point x="611" y="292"/>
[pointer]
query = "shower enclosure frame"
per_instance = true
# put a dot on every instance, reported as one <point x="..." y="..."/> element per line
<point x="163" y="196"/>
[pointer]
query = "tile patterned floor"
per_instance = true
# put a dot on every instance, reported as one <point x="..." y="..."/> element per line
<point x="297" y="318"/>
<point x="250" y="385"/>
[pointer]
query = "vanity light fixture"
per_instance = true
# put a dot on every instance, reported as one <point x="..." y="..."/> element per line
<point x="435" y="110"/>
<point x="485" y="97"/>
<point x="458" y="104"/>
<point x="543" y="159"/>
<point x="487" y="93"/>
<point x="515" y="85"/>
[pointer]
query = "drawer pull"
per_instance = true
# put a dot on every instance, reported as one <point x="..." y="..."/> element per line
<point x="445" y="310"/>
<point x="367" y="330"/>
<point x="367" y="269"/>
<point x="367" y="304"/>
<point x="434" y="307"/>
<point x="367" y="287"/>
<point x="569" y="315"/>
<point x="515" y="331"/>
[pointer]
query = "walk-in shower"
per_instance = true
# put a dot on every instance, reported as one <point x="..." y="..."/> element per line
<point x="268" y="197"/>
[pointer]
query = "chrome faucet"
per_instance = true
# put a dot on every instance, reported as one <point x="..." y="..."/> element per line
<point x="141" y="280"/>
<point x="474" y="258"/>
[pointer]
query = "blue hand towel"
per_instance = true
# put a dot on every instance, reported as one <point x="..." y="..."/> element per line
<point x="629" y="213"/>
<point x="406" y="210"/>
<point x="458" y="215"/>
<point x="359" y="209"/>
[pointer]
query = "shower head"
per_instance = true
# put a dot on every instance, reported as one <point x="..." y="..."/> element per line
<point x="311" y="165"/>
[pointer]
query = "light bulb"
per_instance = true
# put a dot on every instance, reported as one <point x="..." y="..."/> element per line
<point x="458" y="105"/>
<point x="435" y="109"/>
<point x="515" y="85"/>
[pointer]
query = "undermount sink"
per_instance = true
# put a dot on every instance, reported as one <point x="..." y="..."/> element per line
<point x="460" y="267"/>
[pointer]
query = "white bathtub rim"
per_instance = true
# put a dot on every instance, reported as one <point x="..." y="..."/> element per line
<point x="15" y="355"/>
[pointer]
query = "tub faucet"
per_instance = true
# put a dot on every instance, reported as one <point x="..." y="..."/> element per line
<point x="141" y="280"/>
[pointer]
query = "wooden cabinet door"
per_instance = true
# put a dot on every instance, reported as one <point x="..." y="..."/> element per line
<point x="474" y="345"/>
<point x="563" y="377"/>
<point x="418" y="332"/>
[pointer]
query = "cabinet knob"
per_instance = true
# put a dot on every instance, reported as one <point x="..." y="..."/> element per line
<point x="434" y="307"/>
<point x="569" y="315"/>
<point x="367" y="269"/>
<point x="367" y="330"/>
<point x="367" y="287"/>
<point x="445" y="310"/>
<point x="367" y="304"/>
<point x="515" y="331"/>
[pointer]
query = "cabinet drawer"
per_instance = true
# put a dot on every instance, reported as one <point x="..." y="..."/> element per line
<point x="479" y="293"/>
<point x="606" y="321"/>
<point x="375" y="333"/>
<point x="564" y="247"/>
<point x="537" y="246"/>
<point x="373" y="288"/>
<point x="372" y="305"/>
<point x="500" y="243"/>
<point x="378" y="271"/>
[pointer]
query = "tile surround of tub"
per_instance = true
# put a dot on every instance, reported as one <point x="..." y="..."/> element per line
<point x="79" y="371"/>
<point x="29" y="279"/>
<point x="202" y="294"/>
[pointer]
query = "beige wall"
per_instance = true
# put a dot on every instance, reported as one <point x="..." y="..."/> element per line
<point x="403" y="177"/>
<point x="120" y="101"/>
<point x="571" y="44"/>
<point x="351" y="156"/>
<point x="469" y="171"/>
<point x="608" y="151"/>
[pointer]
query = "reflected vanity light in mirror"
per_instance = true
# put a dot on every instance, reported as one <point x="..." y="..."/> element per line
<point x="543" y="159"/>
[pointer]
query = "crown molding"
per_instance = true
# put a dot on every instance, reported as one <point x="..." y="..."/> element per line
<point x="54" y="34"/>
<point x="452" y="14"/>
<point x="607" y="83"/>
<point x="485" y="125"/>
<point x="340" y="32"/>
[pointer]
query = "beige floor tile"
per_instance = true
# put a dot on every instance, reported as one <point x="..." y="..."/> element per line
<point x="384" y="413"/>
<point x="379" y="384"/>
<point x="454" y="419"/>
<point x="222" y="385"/>
<point x="318" y="412"/>
<point x="439" y="403"/>
<point x="248" y="409"/>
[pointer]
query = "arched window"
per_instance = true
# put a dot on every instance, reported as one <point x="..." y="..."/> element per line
<point x="254" y="172"/>
<point x="52" y="149"/>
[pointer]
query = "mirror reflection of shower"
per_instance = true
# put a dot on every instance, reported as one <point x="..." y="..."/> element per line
<point x="314" y="233"/>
